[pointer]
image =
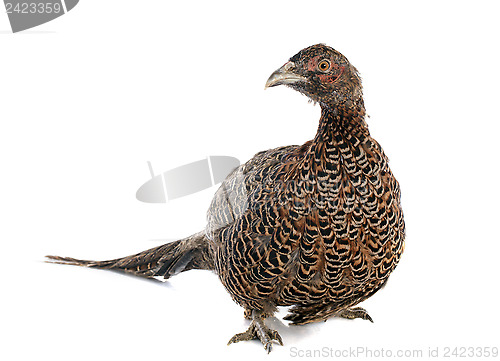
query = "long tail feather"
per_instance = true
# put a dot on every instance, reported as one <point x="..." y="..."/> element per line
<point x="165" y="261"/>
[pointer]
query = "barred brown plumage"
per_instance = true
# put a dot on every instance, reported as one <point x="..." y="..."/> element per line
<point x="318" y="227"/>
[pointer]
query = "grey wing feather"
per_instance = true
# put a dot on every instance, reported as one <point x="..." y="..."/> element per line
<point x="233" y="198"/>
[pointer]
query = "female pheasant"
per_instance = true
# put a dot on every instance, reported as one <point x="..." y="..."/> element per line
<point x="318" y="227"/>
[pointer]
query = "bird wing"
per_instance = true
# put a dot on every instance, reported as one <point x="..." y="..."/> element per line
<point x="243" y="188"/>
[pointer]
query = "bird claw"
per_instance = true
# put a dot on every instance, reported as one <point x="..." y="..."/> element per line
<point x="356" y="312"/>
<point x="258" y="331"/>
<point x="244" y="336"/>
<point x="272" y="335"/>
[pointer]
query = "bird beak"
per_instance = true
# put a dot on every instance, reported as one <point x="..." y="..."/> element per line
<point x="284" y="75"/>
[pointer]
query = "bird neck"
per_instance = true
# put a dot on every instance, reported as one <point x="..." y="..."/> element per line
<point x="342" y="121"/>
<point x="341" y="130"/>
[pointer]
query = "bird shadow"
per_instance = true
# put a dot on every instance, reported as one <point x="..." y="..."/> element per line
<point x="289" y="332"/>
<point x="292" y="333"/>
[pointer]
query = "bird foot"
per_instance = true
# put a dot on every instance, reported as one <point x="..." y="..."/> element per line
<point x="258" y="331"/>
<point x="356" y="312"/>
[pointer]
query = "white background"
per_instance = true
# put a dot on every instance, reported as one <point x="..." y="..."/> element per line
<point x="87" y="99"/>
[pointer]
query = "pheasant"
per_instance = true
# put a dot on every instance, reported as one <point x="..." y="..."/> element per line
<point x="318" y="227"/>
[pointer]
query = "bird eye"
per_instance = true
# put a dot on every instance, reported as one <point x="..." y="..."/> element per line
<point x="324" y="65"/>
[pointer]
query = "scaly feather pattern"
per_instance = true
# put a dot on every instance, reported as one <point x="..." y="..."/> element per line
<point x="318" y="227"/>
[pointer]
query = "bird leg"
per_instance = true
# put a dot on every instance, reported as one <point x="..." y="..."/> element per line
<point x="356" y="312"/>
<point x="258" y="331"/>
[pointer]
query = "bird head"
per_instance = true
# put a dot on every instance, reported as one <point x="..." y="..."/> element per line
<point x="322" y="74"/>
